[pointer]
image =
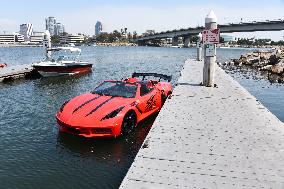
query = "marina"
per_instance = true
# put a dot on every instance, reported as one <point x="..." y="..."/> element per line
<point x="238" y="143"/>
<point x="102" y="94"/>
<point x="35" y="153"/>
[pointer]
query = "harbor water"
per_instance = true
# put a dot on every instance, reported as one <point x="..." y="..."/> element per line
<point x="35" y="155"/>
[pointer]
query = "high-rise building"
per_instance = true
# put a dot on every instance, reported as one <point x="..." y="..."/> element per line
<point x="26" y="30"/>
<point x="59" y="29"/>
<point x="53" y="27"/>
<point x="50" y="23"/>
<point x="98" y="28"/>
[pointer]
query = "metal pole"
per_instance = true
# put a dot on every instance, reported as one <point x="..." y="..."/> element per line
<point x="47" y="44"/>
<point x="209" y="60"/>
<point x="199" y="47"/>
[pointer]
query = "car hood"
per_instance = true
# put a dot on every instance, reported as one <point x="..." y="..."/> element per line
<point x="88" y="109"/>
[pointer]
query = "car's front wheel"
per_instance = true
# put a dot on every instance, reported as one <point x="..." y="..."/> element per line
<point x="128" y="123"/>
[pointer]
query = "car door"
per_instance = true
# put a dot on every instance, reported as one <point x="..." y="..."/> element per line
<point x="149" y="99"/>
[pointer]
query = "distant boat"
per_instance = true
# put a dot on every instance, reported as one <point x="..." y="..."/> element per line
<point x="3" y="65"/>
<point x="62" y="64"/>
<point x="224" y="47"/>
<point x="71" y="44"/>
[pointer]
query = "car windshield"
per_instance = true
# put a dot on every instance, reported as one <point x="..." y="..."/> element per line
<point x="118" y="88"/>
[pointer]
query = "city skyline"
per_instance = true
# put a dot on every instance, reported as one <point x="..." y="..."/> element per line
<point x="140" y="16"/>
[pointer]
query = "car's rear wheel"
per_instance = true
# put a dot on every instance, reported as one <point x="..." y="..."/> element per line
<point x="165" y="96"/>
<point x="128" y="123"/>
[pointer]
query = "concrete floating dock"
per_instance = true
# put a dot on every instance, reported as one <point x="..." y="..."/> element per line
<point x="210" y="138"/>
<point x="15" y="72"/>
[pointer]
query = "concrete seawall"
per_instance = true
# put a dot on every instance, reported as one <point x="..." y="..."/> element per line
<point x="210" y="138"/>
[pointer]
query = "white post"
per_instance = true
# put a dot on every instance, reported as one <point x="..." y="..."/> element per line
<point x="199" y="47"/>
<point x="209" y="59"/>
<point x="47" y="44"/>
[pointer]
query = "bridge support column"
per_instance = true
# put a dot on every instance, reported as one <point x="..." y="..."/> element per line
<point x="209" y="53"/>
<point x="175" y="41"/>
<point x="141" y="43"/>
<point x="186" y="41"/>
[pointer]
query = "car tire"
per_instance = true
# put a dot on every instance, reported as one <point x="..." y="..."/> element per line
<point x="165" y="96"/>
<point x="128" y="124"/>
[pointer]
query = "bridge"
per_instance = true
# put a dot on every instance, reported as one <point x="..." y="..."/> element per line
<point x="274" y="25"/>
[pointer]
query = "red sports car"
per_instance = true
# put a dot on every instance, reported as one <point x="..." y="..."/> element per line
<point x="115" y="107"/>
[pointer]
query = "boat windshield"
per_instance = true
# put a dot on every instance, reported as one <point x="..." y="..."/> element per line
<point x="65" y="55"/>
<point x="116" y="88"/>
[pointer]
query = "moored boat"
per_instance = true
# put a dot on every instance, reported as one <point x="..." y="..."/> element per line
<point x="67" y="63"/>
<point x="61" y="61"/>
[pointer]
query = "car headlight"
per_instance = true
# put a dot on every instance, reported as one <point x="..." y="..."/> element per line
<point x="113" y="113"/>
<point x="61" y="108"/>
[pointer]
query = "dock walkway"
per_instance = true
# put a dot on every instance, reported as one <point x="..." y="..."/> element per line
<point x="210" y="138"/>
<point x="13" y="72"/>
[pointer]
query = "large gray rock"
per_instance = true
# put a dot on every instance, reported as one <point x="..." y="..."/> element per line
<point x="273" y="59"/>
<point x="237" y="62"/>
<point x="280" y="79"/>
<point x="254" y="60"/>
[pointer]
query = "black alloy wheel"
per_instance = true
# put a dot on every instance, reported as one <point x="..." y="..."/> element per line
<point x="128" y="123"/>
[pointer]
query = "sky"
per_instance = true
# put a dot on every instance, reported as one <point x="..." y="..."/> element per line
<point x="160" y="15"/>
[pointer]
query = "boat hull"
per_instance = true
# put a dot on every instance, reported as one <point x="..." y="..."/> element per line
<point x="55" y="70"/>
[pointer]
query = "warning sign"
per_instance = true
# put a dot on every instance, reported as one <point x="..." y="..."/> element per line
<point x="211" y="36"/>
<point x="210" y="50"/>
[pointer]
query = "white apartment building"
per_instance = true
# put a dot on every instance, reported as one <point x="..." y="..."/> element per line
<point x="37" y="37"/>
<point x="72" y="38"/>
<point x="9" y="38"/>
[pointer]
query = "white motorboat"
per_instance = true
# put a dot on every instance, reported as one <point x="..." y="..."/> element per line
<point x="61" y="61"/>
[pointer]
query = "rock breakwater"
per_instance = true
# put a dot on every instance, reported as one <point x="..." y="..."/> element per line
<point x="270" y="61"/>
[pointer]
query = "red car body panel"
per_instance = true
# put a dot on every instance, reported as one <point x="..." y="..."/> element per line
<point x="85" y="114"/>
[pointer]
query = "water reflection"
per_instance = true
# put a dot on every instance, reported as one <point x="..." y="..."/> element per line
<point x="252" y="73"/>
<point x="107" y="150"/>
